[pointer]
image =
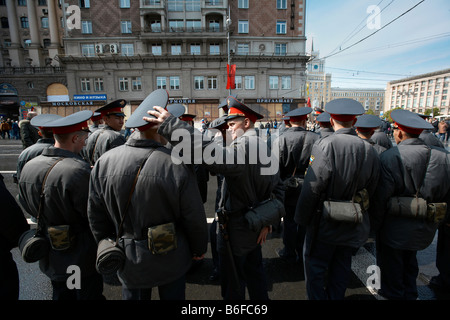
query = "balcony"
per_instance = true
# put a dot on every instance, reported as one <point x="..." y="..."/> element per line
<point x="149" y="33"/>
<point x="31" y="70"/>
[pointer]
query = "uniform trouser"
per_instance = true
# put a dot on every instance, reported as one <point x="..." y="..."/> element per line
<point x="293" y="235"/>
<point x="91" y="288"/>
<point x="174" y="290"/>
<point x="250" y="272"/>
<point x="9" y="277"/>
<point x="399" y="270"/>
<point x="327" y="270"/>
<point x="443" y="254"/>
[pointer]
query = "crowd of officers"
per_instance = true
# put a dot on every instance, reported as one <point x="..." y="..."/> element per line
<point x="105" y="186"/>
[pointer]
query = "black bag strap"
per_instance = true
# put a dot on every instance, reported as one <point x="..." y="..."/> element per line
<point x="119" y="233"/>
<point x="424" y="173"/>
<point x="42" y="195"/>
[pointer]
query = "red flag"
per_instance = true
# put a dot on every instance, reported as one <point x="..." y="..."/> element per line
<point x="309" y="102"/>
<point x="231" y="70"/>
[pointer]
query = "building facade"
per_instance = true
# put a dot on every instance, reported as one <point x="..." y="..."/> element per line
<point x="371" y="99"/>
<point x="419" y="93"/>
<point x="318" y="83"/>
<point x="126" y="49"/>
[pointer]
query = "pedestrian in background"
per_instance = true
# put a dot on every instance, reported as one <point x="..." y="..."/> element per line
<point x="28" y="133"/>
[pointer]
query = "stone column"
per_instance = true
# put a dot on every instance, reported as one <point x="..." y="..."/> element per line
<point x="55" y="46"/>
<point x="15" y="50"/>
<point x="35" y="48"/>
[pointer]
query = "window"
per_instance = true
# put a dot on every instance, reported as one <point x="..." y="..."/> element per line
<point x="199" y="83"/>
<point x="124" y="3"/>
<point x="136" y="84"/>
<point x="192" y="5"/>
<point x="88" y="50"/>
<point x="175" y="5"/>
<point x="24" y="22"/>
<point x="85" y="84"/>
<point x="155" y="25"/>
<point x="151" y="2"/>
<point x="280" y="49"/>
<point x="175" y="83"/>
<point x="85" y="4"/>
<point x="47" y="42"/>
<point x="214" y="26"/>
<point x="127" y="49"/>
<point x="249" y="82"/>
<point x="214" y="48"/>
<point x="243" y="26"/>
<point x="286" y="82"/>
<point x="160" y="82"/>
<point x="42" y="2"/>
<point x="281" y="4"/>
<point x="44" y="22"/>
<point x="123" y="84"/>
<point x="26" y="42"/>
<point x="98" y="84"/>
<point x="125" y="26"/>
<point x="194" y="25"/>
<point x="86" y="26"/>
<point x="22" y="3"/>
<point x="273" y="82"/>
<point x="195" y="48"/>
<point x="5" y="24"/>
<point x="243" y="4"/>
<point x="156" y="49"/>
<point x="176" y="25"/>
<point x="212" y="82"/>
<point x="175" y="49"/>
<point x="281" y="27"/>
<point x="238" y="82"/>
<point x="242" y="48"/>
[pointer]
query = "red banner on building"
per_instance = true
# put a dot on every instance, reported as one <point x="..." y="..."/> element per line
<point x="231" y="71"/>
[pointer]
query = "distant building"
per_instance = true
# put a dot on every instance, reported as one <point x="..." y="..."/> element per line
<point x="317" y="81"/>
<point x="371" y="99"/>
<point x="419" y="93"/>
<point x="126" y="49"/>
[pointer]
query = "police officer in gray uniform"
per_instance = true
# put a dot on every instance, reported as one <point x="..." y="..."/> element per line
<point x="46" y="140"/>
<point x="412" y="170"/>
<point x="365" y="128"/>
<point x="246" y="184"/>
<point x="63" y="176"/>
<point x="109" y="136"/>
<point x="295" y="150"/>
<point x="341" y="166"/>
<point x="160" y="193"/>
<point x="428" y="136"/>
<point x="325" y="126"/>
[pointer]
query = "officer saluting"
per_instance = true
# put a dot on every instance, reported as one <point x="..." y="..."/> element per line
<point x="138" y="183"/>
<point x="243" y="187"/>
<point x="411" y="199"/>
<point x="109" y="136"/>
<point x="63" y="177"/>
<point x="365" y="128"/>
<point x="341" y="167"/>
<point x="295" y="150"/>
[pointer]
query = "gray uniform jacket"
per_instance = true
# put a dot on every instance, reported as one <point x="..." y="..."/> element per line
<point x="66" y="195"/>
<point x="32" y="152"/>
<point x="295" y="151"/>
<point x="402" y="171"/>
<point x="164" y="192"/>
<point x="245" y="182"/>
<point x="100" y="141"/>
<point x="340" y="163"/>
<point x="430" y="139"/>
<point x="381" y="138"/>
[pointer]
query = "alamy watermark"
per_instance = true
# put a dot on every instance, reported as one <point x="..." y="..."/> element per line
<point x="374" y="20"/>
<point x="73" y="20"/>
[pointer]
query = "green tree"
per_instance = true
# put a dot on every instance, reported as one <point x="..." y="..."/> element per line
<point x="435" y="112"/>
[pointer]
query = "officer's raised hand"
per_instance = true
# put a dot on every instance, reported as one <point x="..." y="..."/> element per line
<point x="157" y="116"/>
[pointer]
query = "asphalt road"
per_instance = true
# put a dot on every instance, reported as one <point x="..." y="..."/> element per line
<point x="285" y="279"/>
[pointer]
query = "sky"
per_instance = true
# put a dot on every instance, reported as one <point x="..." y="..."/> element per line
<point x="416" y="43"/>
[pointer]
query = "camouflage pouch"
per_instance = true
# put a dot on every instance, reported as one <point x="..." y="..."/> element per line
<point x="362" y="197"/>
<point x="59" y="237"/>
<point x="162" y="238"/>
<point x="436" y="212"/>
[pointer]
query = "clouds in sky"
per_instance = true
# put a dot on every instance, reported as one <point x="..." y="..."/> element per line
<point x="418" y="42"/>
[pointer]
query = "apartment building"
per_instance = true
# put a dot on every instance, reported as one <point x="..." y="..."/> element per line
<point x="106" y="50"/>
<point x="419" y="93"/>
<point x="371" y="99"/>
